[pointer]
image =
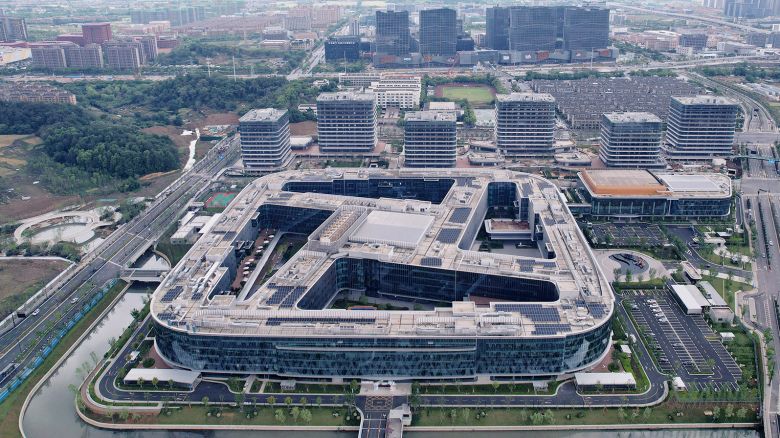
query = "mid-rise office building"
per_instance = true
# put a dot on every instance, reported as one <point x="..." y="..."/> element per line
<point x="96" y="33"/>
<point x="265" y="140"/>
<point x="497" y="28"/>
<point x="585" y="28"/>
<point x="631" y="140"/>
<point x="700" y="128"/>
<point x="342" y="49"/>
<point x="430" y="139"/>
<point x="525" y="124"/>
<point x="533" y="28"/>
<point x="397" y="90"/>
<point x="438" y="32"/>
<point x="12" y="29"/>
<point x="50" y="54"/>
<point x="89" y="56"/>
<point x="346" y="122"/>
<point x="698" y="41"/>
<point x="392" y="33"/>
<point x="123" y="55"/>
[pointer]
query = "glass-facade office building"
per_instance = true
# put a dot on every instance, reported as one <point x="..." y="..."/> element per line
<point x="550" y="347"/>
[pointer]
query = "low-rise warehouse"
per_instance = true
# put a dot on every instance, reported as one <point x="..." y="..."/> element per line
<point x="633" y="193"/>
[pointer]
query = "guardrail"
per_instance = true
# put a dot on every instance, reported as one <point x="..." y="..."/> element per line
<point x="66" y="327"/>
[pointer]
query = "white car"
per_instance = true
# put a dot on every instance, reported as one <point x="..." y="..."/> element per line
<point x="36" y="312"/>
<point x="74" y="300"/>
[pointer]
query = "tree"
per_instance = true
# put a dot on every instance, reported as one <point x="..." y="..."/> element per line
<point x="239" y="397"/>
<point x="155" y="382"/>
<point x="622" y="414"/>
<point x="288" y="401"/>
<point x="306" y="415"/>
<point x="295" y="412"/>
<point x="170" y="384"/>
<point x="729" y="411"/>
<point x="465" y="413"/>
<point x="303" y="401"/>
<point x="354" y="386"/>
<point x="647" y="413"/>
<point x="205" y="401"/>
<point x="279" y="416"/>
<point x="318" y="401"/>
<point x="742" y="413"/>
<point x="495" y="386"/>
<point x="271" y="400"/>
<point x="716" y="413"/>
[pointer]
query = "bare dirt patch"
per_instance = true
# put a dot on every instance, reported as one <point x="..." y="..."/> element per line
<point x="17" y="275"/>
<point x="303" y="128"/>
<point x="219" y="119"/>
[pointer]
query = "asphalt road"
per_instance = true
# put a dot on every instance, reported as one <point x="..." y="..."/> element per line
<point x="31" y="335"/>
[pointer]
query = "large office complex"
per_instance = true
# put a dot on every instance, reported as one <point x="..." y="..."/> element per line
<point x="12" y="29"/>
<point x="392" y="33"/>
<point x="123" y="55"/>
<point x="547" y="28"/>
<point x="346" y="122"/>
<point x="631" y="140"/>
<point x="438" y="32"/>
<point x="430" y="139"/>
<point x="49" y="54"/>
<point x="398" y="235"/>
<point x="525" y="124"/>
<point x="265" y="140"/>
<point x="642" y="193"/>
<point x="700" y="128"/>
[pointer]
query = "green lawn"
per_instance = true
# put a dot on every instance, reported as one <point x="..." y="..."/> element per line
<point x="476" y="95"/>
<point x="665" y="413"/>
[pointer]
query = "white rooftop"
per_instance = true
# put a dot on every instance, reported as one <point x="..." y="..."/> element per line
<point x="689" y="183"/>
<point x="389" y="226"/>
<point x="691" y="297"/>
<point x="163" y="375"/>
<point x="605" y="379"/>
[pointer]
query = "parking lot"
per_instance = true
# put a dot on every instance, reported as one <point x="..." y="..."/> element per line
<point x="683" y="345"/>
<point x="629" y="234"/>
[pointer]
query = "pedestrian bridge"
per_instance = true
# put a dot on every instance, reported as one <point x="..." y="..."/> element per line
<point x="144" y="275"/>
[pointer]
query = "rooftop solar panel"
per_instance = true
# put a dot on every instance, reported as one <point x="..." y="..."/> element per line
<point x="448" y="235"/>
<point x="534" y="312"/>
<point x="459" y="215"/>
<point x="430" y="261"/>
<point x="172" y="294"/>
<point x="316" y="320"/>
<point x="551" y="329"/>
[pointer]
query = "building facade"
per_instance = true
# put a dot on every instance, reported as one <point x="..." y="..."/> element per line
<point x="123" y="55"/>
<point x="497" y="28"/>
<point x="397" y="90"/>
<point x="96" y="33"/>
<point x="12" y="29"/>
<point x="346" y="122"/>
<point x="265" y="140"/>
<point x="631" y="140"/>
<point x="700" y="128"/>
<point x="430" y="139"/>
<point x="585" y="28"/>
<point x="89" y="56"/>
<point x="438" y="32"/>
<point x="342" y="49"/>
<point x="49" y="54"/>
<point x="525" y="124"/>
<point x="533" y="28"/>
<point x="392" y="33"/>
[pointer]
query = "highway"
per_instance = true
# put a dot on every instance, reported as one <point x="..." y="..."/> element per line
<point x="32" y="334"/>
<point x="711" y="20"/>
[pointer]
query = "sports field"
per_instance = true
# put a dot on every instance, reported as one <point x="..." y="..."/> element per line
<point x="220" y="200"/>
<point x="475" y="94"/>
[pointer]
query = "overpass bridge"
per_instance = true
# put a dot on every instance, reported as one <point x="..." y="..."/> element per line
<point x="143" y="275"/>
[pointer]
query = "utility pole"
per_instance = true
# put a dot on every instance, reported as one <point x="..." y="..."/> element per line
<point x="234" y="68"/>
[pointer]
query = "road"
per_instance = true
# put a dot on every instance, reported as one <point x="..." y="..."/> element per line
<point x="32" y="334"/>
<point x="760" y="187"/>
<point x="711" y="20"/>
